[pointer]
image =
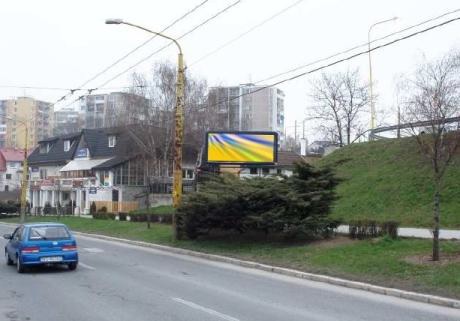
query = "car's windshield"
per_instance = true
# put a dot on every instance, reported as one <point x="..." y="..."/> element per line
<point x="48" y="233"/>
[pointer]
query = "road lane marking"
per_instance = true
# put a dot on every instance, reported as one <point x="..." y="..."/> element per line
<point x="203" y="309"/>
<point x="92" y="250"/>
<point x="86" y="266"/>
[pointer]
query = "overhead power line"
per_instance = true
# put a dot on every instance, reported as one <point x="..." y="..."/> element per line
<point x="79" y="88"/>
<point x="142" y="44"/>
<point x="226" y="44"/>
<point x="160" y="49"/>
<point x="34" y="87"/>
<point x="357" y="47"/>
<point x="170" y="43"/>
<point x="335" y="62"/>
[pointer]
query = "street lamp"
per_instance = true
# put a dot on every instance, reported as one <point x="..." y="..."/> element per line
<point x="178" y="119"/>
<point x="25" y="170"/>
<point x="370" y="68"/>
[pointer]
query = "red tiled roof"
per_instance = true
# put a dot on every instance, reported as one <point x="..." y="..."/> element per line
<point x="13" y="154"/>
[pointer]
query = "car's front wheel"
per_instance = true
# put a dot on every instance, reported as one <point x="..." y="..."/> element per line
<point x="8" y="260"/>
<point x="19" y="265"/>
<point x="73" y="266"/>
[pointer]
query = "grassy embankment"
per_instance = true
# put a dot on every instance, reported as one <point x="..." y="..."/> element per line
<point x="390" y="180"/>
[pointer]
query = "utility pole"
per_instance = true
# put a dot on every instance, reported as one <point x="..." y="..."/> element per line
<point x="178" y="120"/>
<point x="295" y="135"/>
<point x="25" y="172"/>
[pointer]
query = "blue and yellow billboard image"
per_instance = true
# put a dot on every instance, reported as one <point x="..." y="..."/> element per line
<point x="242" y="147"/>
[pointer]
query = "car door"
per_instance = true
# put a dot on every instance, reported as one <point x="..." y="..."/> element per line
<point x="15" y="241"/>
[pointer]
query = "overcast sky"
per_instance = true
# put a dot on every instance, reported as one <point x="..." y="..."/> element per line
<point x="53" y="43"/>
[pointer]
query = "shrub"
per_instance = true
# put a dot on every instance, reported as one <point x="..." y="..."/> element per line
<point x="364" y="229"/>
<point x="104" y="216"/>
<point x="293" y="206"/>
<point x="93" y="208"/>
<point x="47" y="208"/>
<point x="10" y="207"/>
<point x="143" y="217"/>
<point x="103" y="209"/>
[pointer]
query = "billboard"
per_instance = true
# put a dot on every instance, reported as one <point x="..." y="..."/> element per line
<point x="243" y="147"/>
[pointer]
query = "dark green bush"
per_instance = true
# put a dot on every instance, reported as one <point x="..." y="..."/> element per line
<point x="103" y="209"/>
<point x="10" y="207"/>
<point x="364" y="229"/>
<point x="143" y="217"/>
<point x="93" y="208"/>
<point x="292" y="206"/>
<point x="104" y="216"/>
<point x="47" y="208"/>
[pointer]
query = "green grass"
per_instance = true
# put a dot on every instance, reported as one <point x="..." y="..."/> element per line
<point x="379" y="261"/>
<point x="390" y="180"/>
<point x="164" y="209"/>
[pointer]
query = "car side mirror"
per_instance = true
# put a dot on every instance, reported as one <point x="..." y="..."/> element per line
<point x="7" y="236"/>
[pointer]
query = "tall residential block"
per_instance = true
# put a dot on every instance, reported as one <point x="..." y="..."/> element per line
<point x="108" y="110"/>
<point x="248" y="107"/>
<point x="37" y="114"/>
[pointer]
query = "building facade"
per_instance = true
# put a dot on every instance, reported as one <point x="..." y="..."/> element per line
<point x="248" y="107"/>
<point x="11" y="169"/>
<point x="102" y="166"/>
<point x="114" y="109"/>
<point x="38" y="115"/>
<point x="3" y="123"/>
<point x="66" y="121"/>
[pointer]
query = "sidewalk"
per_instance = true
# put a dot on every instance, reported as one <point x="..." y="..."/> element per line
<point x="422" y="233"/>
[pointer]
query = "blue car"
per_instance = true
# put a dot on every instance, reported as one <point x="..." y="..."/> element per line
<point x="41" y="244"/>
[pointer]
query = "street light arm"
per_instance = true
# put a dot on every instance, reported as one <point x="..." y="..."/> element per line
<point x="378" y="23"/>
<point x="151" y="31"/>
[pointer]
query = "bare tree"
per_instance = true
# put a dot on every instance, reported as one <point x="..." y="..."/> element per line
<point x="150" y="107"/>
<point x="339" y="99"/>
<point x="433" y="99"/>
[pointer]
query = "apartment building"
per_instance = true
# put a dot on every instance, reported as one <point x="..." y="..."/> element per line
<point x="248" y="107"/>
<point x="66" y="121"/>
<point x="38" y="115"/>
<point x="109" y="110"/>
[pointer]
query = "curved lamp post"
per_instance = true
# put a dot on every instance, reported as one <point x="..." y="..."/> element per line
<point x="178" y="119"/>
<point x="370" y="68"/>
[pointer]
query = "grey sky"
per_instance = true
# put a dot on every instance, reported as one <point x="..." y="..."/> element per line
<point x="63" y="43"/>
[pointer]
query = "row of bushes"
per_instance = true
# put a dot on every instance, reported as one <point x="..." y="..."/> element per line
<point x="10" y="207"/>
<point x="365" y="229"/>
<point x="134" y="217"/>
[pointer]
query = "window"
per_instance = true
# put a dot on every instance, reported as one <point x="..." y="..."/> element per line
<point x="112" y="140"/>
<point x="48" y="233"/>
<point x="45" y="148"/>
<point x="43" y="174"/>
<point x="265" y="171"/>
<point x="7" y="188"/>
<point x="8" y="176"/>
<point x="66" y="145"/>
<point x="253" y="171"/>
<point x="104" y="178"/>
<point x="278" y="171"/>
<point x="100" y="108"/>
<point x="187" y="173"/>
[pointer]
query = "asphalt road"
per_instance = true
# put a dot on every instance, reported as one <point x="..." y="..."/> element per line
<point x="117" y="282"/>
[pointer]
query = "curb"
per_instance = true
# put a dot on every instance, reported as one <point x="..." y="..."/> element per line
<point x="414" y="296"/>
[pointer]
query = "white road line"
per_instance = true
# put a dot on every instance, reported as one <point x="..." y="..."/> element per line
<point x="209" y="311"/>
<point x="86" y="266"/>
<point x="93" y="250"/>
